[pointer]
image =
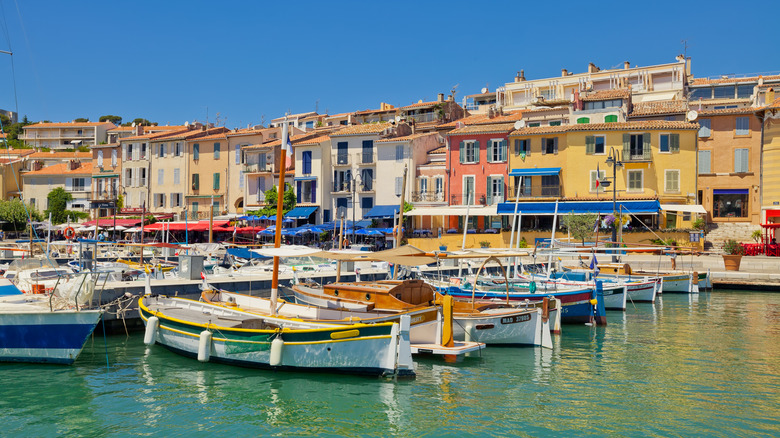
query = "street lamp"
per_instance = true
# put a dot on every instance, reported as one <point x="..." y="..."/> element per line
<point x="614" y="161"/>
<point x="115" y="189"/>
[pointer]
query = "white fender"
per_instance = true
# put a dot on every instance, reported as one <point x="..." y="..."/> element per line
<point x="204" y="346"/>
<point x="150" y="336"/>
<point x="277" y="346"/>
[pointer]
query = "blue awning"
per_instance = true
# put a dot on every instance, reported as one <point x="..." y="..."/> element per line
<point x="300" y="212"/>
<point x="305" y="178"/>
<point x="382" y="212"/>
<point x="579" y="207"/>
<point x="544" y="171"/>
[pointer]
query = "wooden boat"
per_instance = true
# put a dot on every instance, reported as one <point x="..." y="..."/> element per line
<point x="637" y="289"/>
<point x="615" y="294"/>
<point x="213" y="333"/>
<point x="681" y="282"/>
<point x="33" y="329"/>
<point x="490" y="323"/>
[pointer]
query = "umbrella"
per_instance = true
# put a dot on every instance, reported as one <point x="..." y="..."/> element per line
<point x="119" y="227"/>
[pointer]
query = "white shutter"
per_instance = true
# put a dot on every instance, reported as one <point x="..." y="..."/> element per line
<point x="113" y="157"/>
<point x="137" y="179"/>
<point x="238" y="154"/>
<point x="100" y="159"/>
<point x="241" y="179"/>
<point x="125" y="152"/>
<point x="160" y="176"/>
<point x="704" y="162"/>
<point x="176" y="180"/>
<point x="69" y="184"/>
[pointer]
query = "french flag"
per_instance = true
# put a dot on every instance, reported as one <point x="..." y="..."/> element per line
<point x="287" y="145"/>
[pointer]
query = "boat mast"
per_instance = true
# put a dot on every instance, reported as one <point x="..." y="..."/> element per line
<point x="279" y="209"/>
<point x="552" y="239"/>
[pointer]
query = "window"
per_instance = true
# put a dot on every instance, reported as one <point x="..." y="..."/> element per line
<point x="143" y="151"/>
<point x="343" y="156"/>
<point x="216" y="181"/>
<point x="438" y="187"/>
<point x="550" y="145"/>
<point x="175" y="199"/>
<point x="534" y="124"/>
<point x="741" y="164"/>
<point x="583" y="120"/>
<point x="730" y="203"/>
<point x="196" y="152"/>
<point x="744" y="91"/>
<point x="496" y="151"/>
<point x="555" y="123"/>
<point x="342" y="180"/>
<point x="306" y="162"/>
<point x="367" y="203"/>
<point x="399" y="152"/>
<point x="701" y="93"/>
<point x="215" y="208"/>
<point x="663" y="146"/>
<point x="595" y="185"/>
<point x="177" y="149"/>
<point x="367" y="177"/>
<point x="216" y="151"/>
<point x="523" y="147"/>
<point x="100" y="158"/>
<point x="705" y="162"/>
<point x="78" y="184"/>
<point x="635" y="183"/>
<point x="636" y="146"/>
<point x="601" y="104"/>
<point x="194" y="208"/>
<point x="159" y="200"/>
<point x="162" y="150"/>
<point x="743" y="126"/>
<point x="423" y="185"/>
<point x="113" y="157"/>
<point x="594" y="144"/>
<point x="610" y="118"/>
<point x="468" y="190"/>
<point x="368" y="151"/>
<point x="305" y="191"/>
<point x="195" y="181"/>
<point x="160" y="176"/>
<point x="551" y="185"/>
<point x="672" y="181"/>
<point x="705" y="127"/>
<point x="469" y="151"/>
<point x="176" y="173"/>
<point x="495" y="185"/>
<point x="723" y="92"/>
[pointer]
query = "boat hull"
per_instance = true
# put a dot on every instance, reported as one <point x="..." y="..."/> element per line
<point x="519" y="328"/>
<point x="45" y="337"/>
<point x="643" y="292"/>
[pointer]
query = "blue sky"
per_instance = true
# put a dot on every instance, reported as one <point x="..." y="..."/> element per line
<point x="176" y="61"/>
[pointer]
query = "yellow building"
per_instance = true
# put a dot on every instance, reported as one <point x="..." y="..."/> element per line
<point x="561" y="162"/>
<point x="770" y="164"/>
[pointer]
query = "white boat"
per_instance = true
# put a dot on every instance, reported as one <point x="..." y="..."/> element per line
<point x="220" y="334"/>
<point x="33" y="329"/>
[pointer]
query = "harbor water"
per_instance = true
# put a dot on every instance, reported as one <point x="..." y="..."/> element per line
<point x="699" y="365"/>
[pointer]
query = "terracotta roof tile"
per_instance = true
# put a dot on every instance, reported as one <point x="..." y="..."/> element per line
<point x="312" y="141"/>
<point x="727" y="111"/>
<point x="773" y="105"/>
<point x="499" y="128"/>
<point x="155" y="135"/>
<point x="419" y="104"/>
<point x="618" y="93"/>
<point x="67" y="125"/>
<point x="706" y="81"/>
<point x="375" y="111"/>
<point x="63" y="155"/>
<point x="405" y="138"/>
<point x="659" y="107"/>
<point x="483" y="119"/>
<point x="619" y="126"/>
<point x="693" y="103"/>
<point x="62" y="169"/>
<point x="121" y="129"/>
<point x="364" y="129"/>
<point x="439" y="150"/>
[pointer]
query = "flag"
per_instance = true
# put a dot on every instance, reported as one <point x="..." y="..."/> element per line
<point x="596" y="225"/>
<point x="598" y="176"/>
<point x="286" y="145"/>
<point x="594" y="265"/>
<point x="522" y="156"/>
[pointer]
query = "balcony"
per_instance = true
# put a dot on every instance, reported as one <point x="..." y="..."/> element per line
<point x="428" y="197"/>
<point x="474" y="199"/>
<point x="341" y="188"/>
<point x="423" y="118"/>
<point x="366" y="159"/>
<point x="366" y="187"/>
<point x="341" y="160"/>
<point x="259" y="168"/>
<point x="552" y="191"/>
<point x="104" y="195"/>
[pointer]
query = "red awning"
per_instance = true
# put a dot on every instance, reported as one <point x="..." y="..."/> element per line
<point x="110" y="222"/>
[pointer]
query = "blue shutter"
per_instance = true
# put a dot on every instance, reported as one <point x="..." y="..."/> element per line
<point x="704" y="128"/>
<point x="298" y="195"/>
<point x="704" y="162"/>
<point x="314" y="191"/>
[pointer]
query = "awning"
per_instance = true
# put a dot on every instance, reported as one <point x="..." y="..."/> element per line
<point x="460" y="210"/>
<point x="544" y="171"/>
<point x="382" y="212"/>
<point x="305" y="178"/>
<point x="300" y="212"/>
<point x="579" y="207"/>
<point x="731" y="191"/>
<point x="110" y="222"/>
<point x="110" y="175"/>
<point x="684" y="208"/>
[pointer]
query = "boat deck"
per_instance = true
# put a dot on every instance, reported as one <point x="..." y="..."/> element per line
<point x="198" y="317"/>
<point x="458" y="349"/>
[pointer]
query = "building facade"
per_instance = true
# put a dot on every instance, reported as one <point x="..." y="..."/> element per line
<point x="66" y="135"/>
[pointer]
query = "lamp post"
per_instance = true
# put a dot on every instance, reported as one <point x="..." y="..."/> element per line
<point x="614" y="161"/>
<point x="116" y="203"/>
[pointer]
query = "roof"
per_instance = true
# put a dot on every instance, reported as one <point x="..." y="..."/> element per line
<point x="499" y="128"/>
<point x="617" y="126"/>
<point x="84" y="155"/>
<point x="618" y="93"/>
<point x="483" y="119"/>
<point x="707" y="81"/>
<point x="718" y="101"/>
<point x="727" y="111"/>
<point x="374" y="111"/>
<point x="439" y="150"/>
<point x="42" y="125"/>
<point x="121" y="129"/>
<point x="420" y="104"/>
<point x="101" y="146"/>
<point x="62" y="169"/>
<point x="295" y="116"/>
<point x="406" y="137"/>
<point x="659" y="107"/>
<point x="364" y="129"/>
<point x="191" y="133"/>
<point x="277" y="142"/>
<point x="312" y="141"/>
<point x="154" y="135"/>
<point x="240" y="132"/>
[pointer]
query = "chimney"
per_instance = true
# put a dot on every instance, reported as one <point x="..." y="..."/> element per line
<point x="626" y="65"/>
<point x="441" y="97"/>
<point x="450" y="97"/>
<point x="349" y="120"/>
<point x="564" y="72"/>
<point x="520" y="76"/>
<point x="592" y="68"/>
<point x="138" y="130"/>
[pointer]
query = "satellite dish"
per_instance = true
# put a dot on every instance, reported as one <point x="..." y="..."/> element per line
<point x="133" y="124"/>
<point x="397" y="119"/>
<point x="187" y="124"/>
<point x="520" y="124"/>
<point x="484" y="90"/>
<point x="691" y="115"/>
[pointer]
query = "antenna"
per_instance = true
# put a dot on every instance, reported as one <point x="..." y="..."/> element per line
<point x="685" y="48"/>
<point x="454" y="90"/>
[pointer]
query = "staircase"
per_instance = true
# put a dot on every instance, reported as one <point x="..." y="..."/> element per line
<point x="718" y="234"/>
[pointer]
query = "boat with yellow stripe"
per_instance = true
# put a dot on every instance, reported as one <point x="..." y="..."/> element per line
<point x="213" y="333"/>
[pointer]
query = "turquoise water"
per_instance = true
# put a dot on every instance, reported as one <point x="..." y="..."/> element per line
<point x="705" y="365"/>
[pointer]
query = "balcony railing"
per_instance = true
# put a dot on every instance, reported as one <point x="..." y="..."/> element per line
<point x="342" y="188"/>
<point x="366" y="187"/>
<point x="537" y="191"/>
<point x="428" y="197"/>
<point x="259" y="168"/>
<point x="473" y="199"/>
<point x="341" y="160"/>
<point x="422" y="118"/>
<point x="366" y="159"/>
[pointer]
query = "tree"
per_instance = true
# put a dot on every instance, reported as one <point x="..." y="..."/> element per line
<point x="580" y="225"/>
<point x="271" y="197"/>
<point x="120" y="201"/>
<point x="140" y="121"/>
<point x="81" y="120"/>
<point x="15" y="214"/>
<point x="109" y="118"/>
<point x="58" y="201"/>
<point x="5" y="120"/>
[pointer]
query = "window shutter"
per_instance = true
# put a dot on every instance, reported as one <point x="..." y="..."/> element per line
<point x="646" y="146"/>
<point x="113" y="157"/>
<point x="160" y="176"/>
<point x="590" y="145"/>
<point x="504" y="147"/>
<point x="527" y="145"/>
<point x="674" y="142"/>
<point x="745" y="161"/>
<point x="704" y="162"/>
<point x="476" y="151"/>
<point x="195" y="181"/>
<point x="501" y="188"/>
<point x="517" y="147"/>
<point x="298" y="192"/>
<point x="490" y="190"/>
<point x="216" y="181"/>
<point x="100" y="158"/>
<point x="216" y="151"/>
<point x="462" y="151"/>
<point x="398" y="183"/>
<point x="238" y="154"/>
<point x="544" y="146"/>
<point x="626" y="146"/>
<point x="555" y="145"/>
<point x="314" y="191"/>
<point x="69" y="184"/>
<point x="704" y="128"/>
<point x="668" y="184"/>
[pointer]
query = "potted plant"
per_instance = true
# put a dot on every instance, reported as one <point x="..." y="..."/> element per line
<point x="733" y="254"/>
<point x="484" y="244"/>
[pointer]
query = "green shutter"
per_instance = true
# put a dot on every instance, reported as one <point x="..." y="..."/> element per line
<point x="544" y="146"/>
<point x="583" y="120"/>
<point x="195" y="181"/>
<point x="646" y="146"/>
<point x="590" y="145"/>
<point x="674" y="142"/>
<point x="489" y="150"/>
<point x="216" y="181"/>
<point x="626" y="146"/>
<point x="504" y="147"/>
<point x="610" y="118"/>
<point x="489" y="190"/>
<point x="476" y="151"/>
<point x="462" y="152"/>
